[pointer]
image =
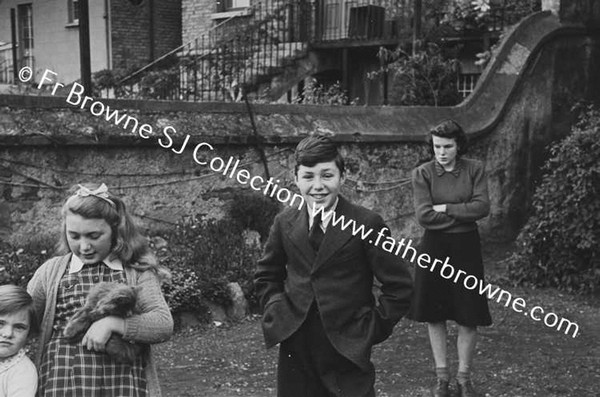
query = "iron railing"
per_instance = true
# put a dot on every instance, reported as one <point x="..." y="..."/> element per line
<point x="244" y="54"/>
<point x="262" y="48"/>
<point x="232" y="59"/>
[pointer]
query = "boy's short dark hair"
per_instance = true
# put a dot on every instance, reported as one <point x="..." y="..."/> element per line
<point x="452" y="130"/>
<point x="316" y="149"/>
<point x="14" y="299"/>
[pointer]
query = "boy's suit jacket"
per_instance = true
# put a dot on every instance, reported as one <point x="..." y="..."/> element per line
<point x="290" y="276"/>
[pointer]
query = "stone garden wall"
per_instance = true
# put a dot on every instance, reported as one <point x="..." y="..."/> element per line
<point x="48" y="143"/>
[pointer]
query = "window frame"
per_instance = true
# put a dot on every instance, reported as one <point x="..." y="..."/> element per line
<point x="25" y="38"/>
<point x="72" y="11"/>
<point x="232" y="8"/>
<point x="232" y="5"/>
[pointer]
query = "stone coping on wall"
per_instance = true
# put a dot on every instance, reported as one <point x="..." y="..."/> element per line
<point x="41" y="120"/>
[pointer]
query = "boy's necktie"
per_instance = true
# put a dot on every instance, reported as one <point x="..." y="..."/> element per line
<point x="316" y="234"/>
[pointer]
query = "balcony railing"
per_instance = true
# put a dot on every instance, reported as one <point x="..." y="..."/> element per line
<point x="236" y="56"/>
<point x="361" y="20"/>
<point x="242" y="55"/>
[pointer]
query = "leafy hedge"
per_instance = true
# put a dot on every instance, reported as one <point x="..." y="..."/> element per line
<point x="253" y="211"/>
<point x="205" y="255"/>
<point x="17" y="264"/>
<point x="426" y="77"/>
<point x="560" y="244"/>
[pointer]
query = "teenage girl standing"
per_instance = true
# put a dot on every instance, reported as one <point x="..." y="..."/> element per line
<point x="100" y="243"/>
<point x="450" y="195"/>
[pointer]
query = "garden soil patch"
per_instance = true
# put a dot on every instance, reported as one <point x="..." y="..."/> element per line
<point x="515" y="357"/>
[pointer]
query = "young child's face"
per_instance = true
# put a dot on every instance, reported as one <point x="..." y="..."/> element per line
<point x="89" y="239"/>
<point x="320" y="184"/>
<point x="14" y="329"/>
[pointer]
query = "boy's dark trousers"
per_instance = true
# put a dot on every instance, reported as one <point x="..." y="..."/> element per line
<point x="309" y="366"/>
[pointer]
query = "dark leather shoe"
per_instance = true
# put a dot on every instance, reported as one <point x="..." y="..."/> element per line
<point x="466" y="389"/>
<point x="440" y="389"/>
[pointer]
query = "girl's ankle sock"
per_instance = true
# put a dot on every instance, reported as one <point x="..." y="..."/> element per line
<point x="442" y="373"/>
<point x="462" y="377"/>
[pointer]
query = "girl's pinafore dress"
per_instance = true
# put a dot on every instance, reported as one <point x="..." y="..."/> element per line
<point x="70" y="369"/>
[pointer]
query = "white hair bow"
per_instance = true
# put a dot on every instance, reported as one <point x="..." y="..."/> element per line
<point x="100" y="192"/>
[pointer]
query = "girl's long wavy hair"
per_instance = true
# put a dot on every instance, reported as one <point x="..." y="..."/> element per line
<point x="128" y="244"/>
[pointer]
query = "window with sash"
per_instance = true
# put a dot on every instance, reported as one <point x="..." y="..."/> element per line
<point x="228" y="5"/>
<point x="25" y="29"/>
<point x="73" y="10"/>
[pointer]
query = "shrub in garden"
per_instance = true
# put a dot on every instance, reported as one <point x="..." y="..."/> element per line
<point x="160" y="84"/>
<point x="105" y="80"/>
<point x="560" y="244"/>
<point x="183" y="292"/>
<point x="253" y="211"/>
<point x="315" y="93"/>
<point x="482" y="15"/>
<point x="17" y="264"/>
<point x="426" y="77"/>
<point x="156" y="84"/>
<point x="205" y="255"/>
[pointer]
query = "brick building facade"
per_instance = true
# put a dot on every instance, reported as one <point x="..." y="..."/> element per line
<point x="195" y="17"/>
<point x="123" y="34"/>
<point x="144" y="32"/>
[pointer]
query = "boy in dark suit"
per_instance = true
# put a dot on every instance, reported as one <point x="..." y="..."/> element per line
<point x="315" y="284"/>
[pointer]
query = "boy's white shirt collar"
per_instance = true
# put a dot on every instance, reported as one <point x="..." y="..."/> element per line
<point x="76" y="264"/>
<point x="325" y="221"/>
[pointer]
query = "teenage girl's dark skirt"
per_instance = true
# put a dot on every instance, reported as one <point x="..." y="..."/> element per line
<point x="437" y="298"/>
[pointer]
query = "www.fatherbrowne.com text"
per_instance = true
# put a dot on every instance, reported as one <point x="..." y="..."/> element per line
<point x="404" y="249"/>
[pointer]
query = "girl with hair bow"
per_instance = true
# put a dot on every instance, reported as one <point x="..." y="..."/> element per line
<point x="99" y="243"/>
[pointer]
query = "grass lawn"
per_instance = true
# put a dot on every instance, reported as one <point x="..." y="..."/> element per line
<point x="515" y="357"/>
